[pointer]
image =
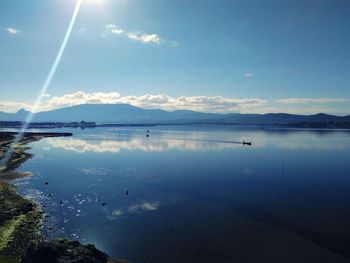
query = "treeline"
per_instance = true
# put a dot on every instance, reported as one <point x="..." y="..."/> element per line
<point x="320" y="124"/>
<point x="47" y="125"/>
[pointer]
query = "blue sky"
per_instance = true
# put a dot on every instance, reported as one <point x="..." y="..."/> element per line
<point x="224" y="56"/>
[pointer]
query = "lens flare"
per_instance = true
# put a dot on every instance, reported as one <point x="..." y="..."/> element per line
<point x="46" y="84"/>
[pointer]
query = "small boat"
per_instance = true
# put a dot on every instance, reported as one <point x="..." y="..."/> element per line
<point x="247" y="143"/>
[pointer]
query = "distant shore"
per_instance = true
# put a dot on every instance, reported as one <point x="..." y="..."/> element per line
<point x="89" y="125"/>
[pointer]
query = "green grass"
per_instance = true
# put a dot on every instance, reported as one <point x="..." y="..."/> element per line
<point x="19" y="227"/>
<point x="8" y="230"/>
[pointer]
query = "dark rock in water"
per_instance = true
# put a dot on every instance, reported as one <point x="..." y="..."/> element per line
<point x="66" y="251"/>
<point x="42" y="253"/>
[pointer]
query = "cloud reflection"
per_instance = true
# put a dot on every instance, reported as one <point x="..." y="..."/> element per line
<point x="133" y="209"/>
<point x="156" y="144"/>
<point x="198" y="141"/>
<point x="143" y="207"/>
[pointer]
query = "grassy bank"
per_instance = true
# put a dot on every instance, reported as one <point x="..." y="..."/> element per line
<point x="19" y="224"/>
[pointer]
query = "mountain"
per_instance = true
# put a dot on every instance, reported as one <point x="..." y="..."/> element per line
<point x="115" y="113"/>
<point x="118" y="113"/>
<point x="281" y="118"/>
<point x="125" y="113"/>
<point x="20" y="115"/>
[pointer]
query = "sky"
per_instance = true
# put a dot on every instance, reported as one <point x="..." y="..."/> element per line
<point x="247" y="56"/>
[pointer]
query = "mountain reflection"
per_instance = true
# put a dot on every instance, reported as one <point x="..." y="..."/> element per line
<point x="157" y="144"/>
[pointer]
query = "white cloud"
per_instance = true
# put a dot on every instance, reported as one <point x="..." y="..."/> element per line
<point x="13" y="31"/>
<point x="135" y="36"/>
<point x="10" y="106"/>
<point x="217" y="104"/>
<point x="145" y="38"/>
<point x="114" y="29"/>
<point x="248" y="75"/>
<point x="311" y="100"/>
<point x="81" y="97"/>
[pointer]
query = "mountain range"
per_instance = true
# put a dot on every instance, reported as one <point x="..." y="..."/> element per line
<point x="128" y="114"/>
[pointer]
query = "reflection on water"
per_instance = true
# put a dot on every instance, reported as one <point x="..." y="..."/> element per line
<point x="161" y="141"/>
<point x="144" y="207"/>
<point x="312" y="145"/>
<point x="196" y="194"/>
<point x="159" y="144"/>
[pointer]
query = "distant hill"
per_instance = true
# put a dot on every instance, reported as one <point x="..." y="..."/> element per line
<point x="127" y="114"/>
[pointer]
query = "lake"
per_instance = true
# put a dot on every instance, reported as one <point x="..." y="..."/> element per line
<point x="196" y="194"/>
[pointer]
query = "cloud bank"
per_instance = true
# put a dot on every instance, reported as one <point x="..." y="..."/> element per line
<point x="311" y="100"/>
<point x="217" y="104"/>
<point x="214" y="104"/>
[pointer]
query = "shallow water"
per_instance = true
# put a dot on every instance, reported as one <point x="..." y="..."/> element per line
<point x="196" y="194"/>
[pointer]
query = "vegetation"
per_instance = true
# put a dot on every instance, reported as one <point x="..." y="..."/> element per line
<point x="19" y="224"/>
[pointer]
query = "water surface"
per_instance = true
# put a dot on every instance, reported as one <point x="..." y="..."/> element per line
<point x="196" y="194"/>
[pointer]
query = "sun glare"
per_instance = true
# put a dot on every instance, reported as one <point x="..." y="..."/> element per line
<point x="98" y="2"/>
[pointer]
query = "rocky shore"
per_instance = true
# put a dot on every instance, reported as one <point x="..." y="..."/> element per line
<point x="21" y="219"/>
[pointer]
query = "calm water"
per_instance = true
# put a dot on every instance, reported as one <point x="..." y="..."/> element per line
<point x="196" y="195"/>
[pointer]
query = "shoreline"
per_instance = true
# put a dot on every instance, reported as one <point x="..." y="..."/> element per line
<point x="21" y="219"/>
<point x="19" y="155"/>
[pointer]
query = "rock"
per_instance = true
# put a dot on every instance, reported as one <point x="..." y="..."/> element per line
<point x="42" y="253"/>
<point x="66" y="251"/>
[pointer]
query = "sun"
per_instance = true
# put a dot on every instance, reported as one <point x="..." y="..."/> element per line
<point x="92" y="2"/>
<point x="99" y="2"/>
